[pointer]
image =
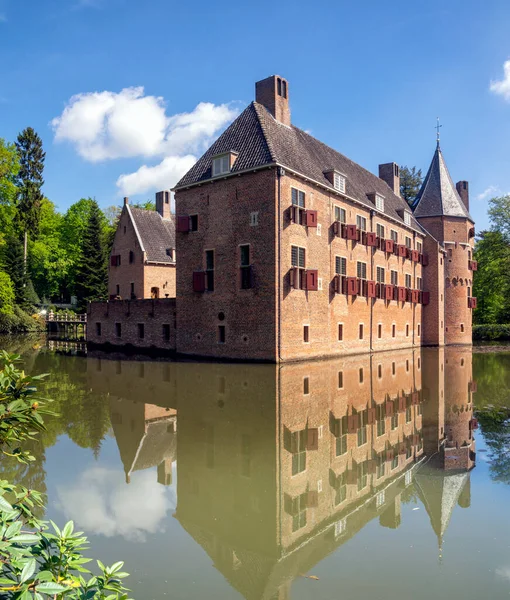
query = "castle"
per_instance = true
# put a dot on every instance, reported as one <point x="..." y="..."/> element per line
<point x="288" y="250"/>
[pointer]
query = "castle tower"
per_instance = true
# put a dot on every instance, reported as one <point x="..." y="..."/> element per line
<point x="444" y="214"/>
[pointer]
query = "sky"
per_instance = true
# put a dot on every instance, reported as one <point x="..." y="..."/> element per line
<point x="126" y="95"/>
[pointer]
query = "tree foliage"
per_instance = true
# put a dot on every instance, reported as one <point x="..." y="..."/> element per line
<point x="410" y="183"/>
<point x="38" y="561"/>
<point x="13" y="263"/>
<point x="29" y="181"/>
<point x="7" y="296"/>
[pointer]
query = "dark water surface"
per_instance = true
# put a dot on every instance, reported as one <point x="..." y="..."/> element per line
<point x="229" y="481"/>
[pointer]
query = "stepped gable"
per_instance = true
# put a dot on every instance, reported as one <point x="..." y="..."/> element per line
<point x="156" y="234"/>
<point x="438" y="195"/>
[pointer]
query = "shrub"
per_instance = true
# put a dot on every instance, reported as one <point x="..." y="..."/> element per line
<point x="491" y="332"/>
<point x="36" y="562"/>
<point x="18" y="322"/>
<point x="6" y="294"/>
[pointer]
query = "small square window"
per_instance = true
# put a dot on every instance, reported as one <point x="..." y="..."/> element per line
<point x="193" y="223"/>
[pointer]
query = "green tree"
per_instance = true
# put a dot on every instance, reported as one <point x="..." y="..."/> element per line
<point x="7" y="295"/>
<point x="410" y="183"/>
<point x="13" y="264"/>
<point x="499" y="215"/>
<point x="91" y="273"/>
<point x="29" y="181"/>
<point x="9" y="167"/>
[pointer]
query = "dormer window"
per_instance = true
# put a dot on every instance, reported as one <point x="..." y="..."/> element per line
<point x="170" y="253"/>
<point x="339" y="182"/>
<point x="221" y="165"/>
<point x="379" y="202"/>
<point x="407" y="217"/>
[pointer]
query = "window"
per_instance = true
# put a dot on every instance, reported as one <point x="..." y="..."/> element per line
<point x="394" y="462"/>
<point x="361" y="270"/>
<point x="340" y="527"/>
<point x="298" y="205"/>
<point x="306" y="334"/>
<point x="393" y="330"/>
<point x="221" y="334"/>
<point x="221" y="165"/>
<point x="418" y="283"/>
<point x="419" y="246"/>
<point x="381" y="275"/>
<point x="393" y="368"/>
<point x="394" y="235"/>
<point x="361" y="331"/>
<point x="245" y="267"/>
<point x="394" y="277"/>
<point x="419" y="329"/>
<point x="131" y="257"/>
<point x="407" y="329"/>
<point x="298" y="443"/>
<point x="362" y="475"/>
<point x="408" y="280"/>
<point x="166" y="332"/>
<point x="170" y="253"/>
<point x="462" y="327"/>
<point x="379" y="202"/>
<point x="282" y="87"/>
<point x="380" y="231"/>
<point x="209" y="269"/>
<point x="379" y="371"/>
<point x="407" y="365"/>
<point x="141" y="330"/>
<point x="361" y="375"/>
<point x="362" y="430"/>
<point x="254" y="219"/>
<point x="408" y="242"/>
<point x="299" y="512"/>
<point x="379" y="331"/>
<point x="407" y="217"/>
<point x="118" y="329"/>
<point x="193" y="223"/>
<point x="340" y="380"/>
<point x="339" y="182"/>
<point x="394" y="421"/>
<point x="298" y="257"/>
<point x="409" y="414"/>
<point x="98" y="329"/>
<point x="341" y="440"/>
<point x="381" y="420"/>
<point x="124" y="230"/>
<point x="381" y="467"/>
<point x="306" y="386"/>
<point x="340" y="332"/>
<point x="340" y="214"/>
<point x="469" y="254"/>
<point x="340" y="265"/>
<point x="133" y="295"/>
<point x="361" y="223"/>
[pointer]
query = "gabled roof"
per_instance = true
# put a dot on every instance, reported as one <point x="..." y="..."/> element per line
<point x="259" y="139"/>
<point x="438" y="196"/>
<point x="155" y="233"/>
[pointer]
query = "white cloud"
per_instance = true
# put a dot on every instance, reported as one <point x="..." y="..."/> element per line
<point x="108" y="125"/>
<point x="502" y="88"/>
<point x="102" y="503"/>
<point x="159" y="177"/>
<point x="503" y="572"/>
<point x="488" y="193"/>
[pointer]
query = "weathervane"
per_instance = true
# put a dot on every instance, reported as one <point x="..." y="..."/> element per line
<point x="438" y="127"/>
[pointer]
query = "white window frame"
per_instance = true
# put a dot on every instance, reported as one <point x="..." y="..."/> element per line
<point x="254" y="218"/>
<point x="394" y="235"/>
<point x="407" y="217"/>
<point x="361" y="222"/>
<point x="379" y="203"/>
<point x="342" y="212"/>
<point x="221" y="165"/>
<point x="343" y="265"/>
<point x="363" y="269"/>
<point x="339" y="182"/>
<point x="379" y="271"/>
<point x="379" y="228"/>
<point x="394" y="277"/>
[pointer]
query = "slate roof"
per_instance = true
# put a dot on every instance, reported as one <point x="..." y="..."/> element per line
<point x="438" y="196"/>
<point x="261" y="140"/>
<point x="156" y="234"/>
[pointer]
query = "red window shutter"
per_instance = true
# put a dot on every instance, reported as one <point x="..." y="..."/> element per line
<point x="311" y="279"/>
<point x="416" y="439"/>
<point x="415" y="398"/>
<point x="424" y="259"/>
<point x="389" y="408"/>
<point x="473" y="302"/>
<point x="415" y="296"/>
<point x="388" y="292"/>
<point x="371" y="414"/>
<point x="312" y="499"/>
<point x="388" y="246"/>
<point x="183" y="224"/>
<point x="312" y="439"/>
<point x="408" y="294"/>
<point x="343" y="230"/>
<point x="371" y="289"/>
<point x="401" y="403"/>
<point x="352" y="233"/>
<point x="402" y="294"/>
<point x="425" y="298"/>
<point x="474" y="265"/>
<point x="402" y="251"/>
<point x="371" y="239"/>
<point x="352" y="286"/>
<point x="390" y="454"/>
<point x="199" y="281"/>
<point x="311" y="218"/>
<point x="352" y="423"/>
<point x="415" y="255"/>
<point x="113" y="261"/>
<point x="473" y="423"/>
<point x="337" y="284"/>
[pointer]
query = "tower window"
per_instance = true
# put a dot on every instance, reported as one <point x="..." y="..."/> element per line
<point x="393" y="330"/>
<point x="361" y="331"/>
<point x="306" y="334"/>
<point x="221" y="334"/>
<point x="379" y="331"/>
<point x="340" y="380"/>
<point x="306" y="386"/>
<point x="340" y="332"/>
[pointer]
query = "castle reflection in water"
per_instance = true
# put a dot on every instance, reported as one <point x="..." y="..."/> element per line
<point x="279" y="465"/>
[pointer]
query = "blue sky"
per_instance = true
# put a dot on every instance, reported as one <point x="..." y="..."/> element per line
<point x="368" y="78"/>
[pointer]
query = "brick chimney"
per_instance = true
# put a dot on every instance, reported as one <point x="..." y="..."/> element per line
<point x="163" y="203"/>
<point x="126" y="200"/>
<point x="273" y="93"/>
<point x="463" y="189"/>
<point x="390" y="173"/>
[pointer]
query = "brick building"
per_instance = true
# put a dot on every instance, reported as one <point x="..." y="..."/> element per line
<point x="288" y="250"/>
<point x="142" y="260"/>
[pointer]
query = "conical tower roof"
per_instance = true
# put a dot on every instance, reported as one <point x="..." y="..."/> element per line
<point x="438" y="195"/>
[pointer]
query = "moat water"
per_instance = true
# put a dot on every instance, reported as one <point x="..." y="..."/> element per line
<point x="368" y="477"/>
